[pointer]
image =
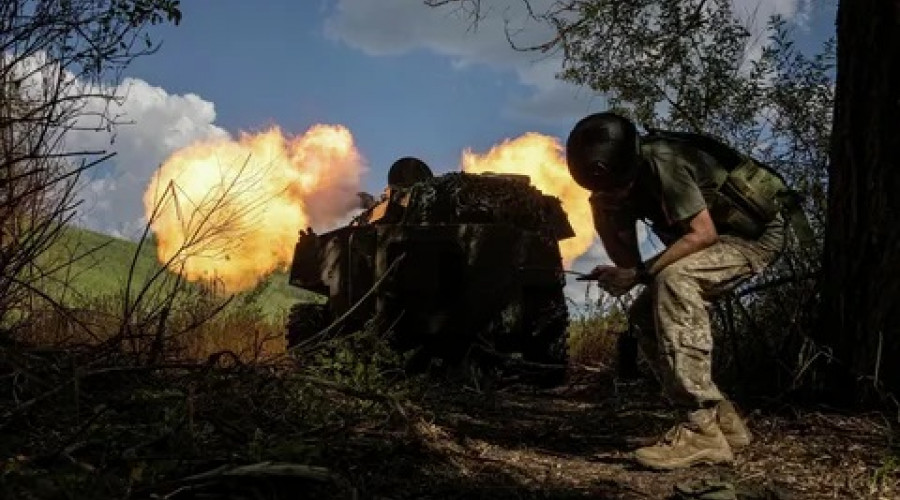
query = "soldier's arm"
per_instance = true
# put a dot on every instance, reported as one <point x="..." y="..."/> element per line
<point x="701" y="233"/>
<point x="684" y="204"/>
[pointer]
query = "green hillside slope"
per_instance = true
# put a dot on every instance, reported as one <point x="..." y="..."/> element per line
<point x="92" y="264"/>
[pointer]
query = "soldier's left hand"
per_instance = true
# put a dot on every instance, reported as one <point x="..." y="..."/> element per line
<point x="615" y="280"/>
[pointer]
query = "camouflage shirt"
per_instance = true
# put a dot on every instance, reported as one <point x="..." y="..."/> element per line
<point x="675" y="183"/>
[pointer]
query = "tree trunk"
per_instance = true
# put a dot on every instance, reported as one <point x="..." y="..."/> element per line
<point x="861" y="286"/>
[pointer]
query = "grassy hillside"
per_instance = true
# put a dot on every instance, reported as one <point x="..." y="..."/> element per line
<point x="94" y="264"/>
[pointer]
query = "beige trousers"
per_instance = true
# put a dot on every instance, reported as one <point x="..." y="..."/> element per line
<point x="671" y="316"/>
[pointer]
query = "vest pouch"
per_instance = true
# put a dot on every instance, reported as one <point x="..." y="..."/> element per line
<point x="753" y="191"/>
<point x="730" y="219"/>
<point x="742" y="225"/>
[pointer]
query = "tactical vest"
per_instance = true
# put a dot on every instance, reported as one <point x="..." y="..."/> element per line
<point x="751" y="195"/>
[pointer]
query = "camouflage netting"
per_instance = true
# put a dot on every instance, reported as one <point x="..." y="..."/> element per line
<point x="497" y="286"/>
<point x="531" y="321"/>
<point x="478" y="199"/>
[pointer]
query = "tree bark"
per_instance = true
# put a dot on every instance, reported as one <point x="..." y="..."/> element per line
<point x="861" y="282"/>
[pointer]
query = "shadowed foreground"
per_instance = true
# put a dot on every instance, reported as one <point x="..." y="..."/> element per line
<point x="238" y="431"/>
<point x="574" y="442"/>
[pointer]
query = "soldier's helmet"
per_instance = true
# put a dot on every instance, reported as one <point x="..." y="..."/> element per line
<point x="407" y="171"/>
<point x="602" y="152"/>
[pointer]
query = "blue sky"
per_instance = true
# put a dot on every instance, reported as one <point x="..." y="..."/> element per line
<point x="275" y="62"/>
<point x="405" y="79"/>
<point x="281" y="62"/>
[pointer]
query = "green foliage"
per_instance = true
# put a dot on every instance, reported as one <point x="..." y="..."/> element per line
<point x="886" y="475"/>
<point x="594" y="330"/>
<point x="362" y="360"/>
<point x="693" y="65"/>
<point x="62" y="60"/>
<point x="83" y="265"/>
<point x="80" y="300"/>
<point x="138" y="12"/>
<point x="154" y="426"/>
<point x="665" y="63"/>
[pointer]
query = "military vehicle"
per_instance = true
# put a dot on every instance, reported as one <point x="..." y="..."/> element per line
<point x="443" y="266"/>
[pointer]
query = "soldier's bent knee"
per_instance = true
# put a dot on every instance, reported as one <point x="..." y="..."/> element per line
<point x="671" y="274"/>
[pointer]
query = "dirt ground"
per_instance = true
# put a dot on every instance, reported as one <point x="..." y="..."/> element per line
<point x="574" y="441"/>
<point x="245" y="433"/>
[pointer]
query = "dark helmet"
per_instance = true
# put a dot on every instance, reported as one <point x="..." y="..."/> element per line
<point x="602" y="152"/>
<point x="407" y="171"/>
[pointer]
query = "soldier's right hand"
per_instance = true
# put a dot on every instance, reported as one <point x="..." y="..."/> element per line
<point x="616" y="281"/>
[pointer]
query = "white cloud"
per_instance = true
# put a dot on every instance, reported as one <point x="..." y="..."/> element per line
<point x="392" y="27"/>
<point x="154" y="125"/>
<point x="756" y="13"/>
<point x="142" y="124"/>
<point x="552" y="100"/>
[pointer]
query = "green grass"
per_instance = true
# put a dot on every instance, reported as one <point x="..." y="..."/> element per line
<point x="93" y="265"/>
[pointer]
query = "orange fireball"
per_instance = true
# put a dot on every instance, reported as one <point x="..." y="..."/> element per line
<point x="541" y="158"/>
<point x="229" y="210"/>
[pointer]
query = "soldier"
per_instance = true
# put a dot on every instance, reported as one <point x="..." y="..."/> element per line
<point x="407" y="171"/>
<point x="685" y="193"/>
<point x="402" y="175"/>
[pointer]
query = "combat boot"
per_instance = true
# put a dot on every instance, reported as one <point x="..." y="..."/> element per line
<point x="732" y="425"/>
<point x="699" y="441"/>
